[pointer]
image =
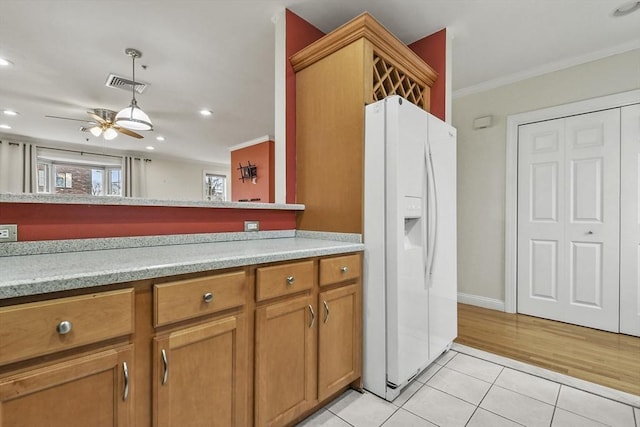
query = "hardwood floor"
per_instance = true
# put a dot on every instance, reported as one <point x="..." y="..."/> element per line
<point x="605" y="358"/>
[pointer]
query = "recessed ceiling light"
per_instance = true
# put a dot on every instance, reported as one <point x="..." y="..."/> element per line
<point x="5" y="127"/>
<point x="627" y="8"/>
<point x="5" y="62"/>
<point x="150" y="147"/>
<point x="10" y="113"/>
<point x="206" y="112"/>
<point x="160" y="138"/>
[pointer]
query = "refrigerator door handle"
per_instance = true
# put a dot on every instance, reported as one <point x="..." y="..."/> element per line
<point x="425" y="216"/>
<point x="433" y="215"/>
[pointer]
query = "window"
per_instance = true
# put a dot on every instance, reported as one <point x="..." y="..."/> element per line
<point x="72" y="172"/>
<point x="215" y="187"/>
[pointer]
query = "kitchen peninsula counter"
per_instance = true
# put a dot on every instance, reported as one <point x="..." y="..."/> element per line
<point x="31" y="268"/>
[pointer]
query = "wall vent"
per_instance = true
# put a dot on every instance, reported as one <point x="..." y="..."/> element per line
<point x="123" y="83"/>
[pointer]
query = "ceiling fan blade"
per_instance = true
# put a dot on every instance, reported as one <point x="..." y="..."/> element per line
<point x="96" y="117"/>
<point x="75" y="120"/>
<point x="127" y="132"/>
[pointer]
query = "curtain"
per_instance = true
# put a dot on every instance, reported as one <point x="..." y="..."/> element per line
<point x="135" y="177"/>
<point x="17" y="167"/>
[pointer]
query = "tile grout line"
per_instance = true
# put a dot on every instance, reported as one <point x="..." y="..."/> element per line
<point x="485" y="395"/>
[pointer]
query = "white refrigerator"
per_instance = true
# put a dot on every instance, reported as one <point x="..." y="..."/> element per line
<point x="410" y="290"/>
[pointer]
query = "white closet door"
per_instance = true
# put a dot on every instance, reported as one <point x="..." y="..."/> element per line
<point x="568" y="219"/>
<point x="630" y="221"/>
<point x="541" y="218"/>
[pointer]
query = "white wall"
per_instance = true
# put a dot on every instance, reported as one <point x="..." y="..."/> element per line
<point x="481" y="157"/>
<point x="181" y="180"/>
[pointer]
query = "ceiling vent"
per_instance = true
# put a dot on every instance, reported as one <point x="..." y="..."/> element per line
<point x="123" y="83"/>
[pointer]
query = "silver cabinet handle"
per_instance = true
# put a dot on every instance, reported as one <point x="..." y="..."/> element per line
<point x="313" y="316"/>
<point x="326" y="311"/>
<point x="344" y="269"/>
<point x="290" y="280"/>
<point x="208" y="297"/>
<point x="165" y="364"/>
<point x="125" y="373"/>
<point x="64" y="327"/>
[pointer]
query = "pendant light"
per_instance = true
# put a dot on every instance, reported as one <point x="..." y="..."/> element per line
<point x="132" y="117"/>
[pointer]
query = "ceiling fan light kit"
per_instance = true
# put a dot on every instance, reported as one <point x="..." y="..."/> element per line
<point x="132" y="117"/>
<point x="109" y="134"/>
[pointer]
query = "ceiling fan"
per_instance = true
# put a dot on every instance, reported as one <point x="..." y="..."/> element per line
<point x="103" y="124"/>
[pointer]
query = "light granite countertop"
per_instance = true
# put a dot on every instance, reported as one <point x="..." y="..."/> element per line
<point x="75" y="199"/>
<point x="31" y="274"/>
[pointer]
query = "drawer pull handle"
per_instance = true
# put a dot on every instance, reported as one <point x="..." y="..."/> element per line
<point x="165" y="366"/>
<point x="326" y="311"/>
<point x="208" y="297"/>
<point x="290" y="280"/>
<point x="313" y="316"/>
<point x="64" y="327"/>
<point x="344" y="269"/>
<point x="125" y="373"/>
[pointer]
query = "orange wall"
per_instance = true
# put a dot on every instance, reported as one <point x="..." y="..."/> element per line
<point x="261" y="155"/>
<point x="299" y="34"/>
<point x="432" y="49"/>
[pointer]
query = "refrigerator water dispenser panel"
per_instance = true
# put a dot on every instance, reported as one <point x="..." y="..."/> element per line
<point x="412" y="212"/>
<point x="412" y="207"/>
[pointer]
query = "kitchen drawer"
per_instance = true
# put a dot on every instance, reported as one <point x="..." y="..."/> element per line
<point x="283" y="279"/>
<point x="339" y="269"/>
<point x="186" y="299"/>
<point x="35" y="329"/>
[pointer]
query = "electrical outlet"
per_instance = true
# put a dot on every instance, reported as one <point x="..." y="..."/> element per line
<point x="8" y="233"/>
<point x="252" y="226"/>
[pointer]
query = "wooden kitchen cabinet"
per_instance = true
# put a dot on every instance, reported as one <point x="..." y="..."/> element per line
<point x="336" y="76"/>
<point x="89" y="390"/>
<point x="200" y="375"/>
<point x="339" y="339"/>
<point x="200" y="368"/>
<point x="245" y="346"/>
<point x="308" y="346"/>
<point x="63" y="362"/>
<point x="285" y="343"/>
<point x="285" y="361"/>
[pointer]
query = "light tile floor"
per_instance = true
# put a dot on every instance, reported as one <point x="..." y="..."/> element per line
<point x="468" y="387"/>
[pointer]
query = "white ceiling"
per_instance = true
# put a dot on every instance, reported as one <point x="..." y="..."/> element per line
<point x="219" y="55"/>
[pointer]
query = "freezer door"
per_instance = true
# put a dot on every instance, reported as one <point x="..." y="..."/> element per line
<point x="406" y="291"/>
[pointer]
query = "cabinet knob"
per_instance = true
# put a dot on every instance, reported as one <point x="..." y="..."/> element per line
<point x="64" y="327"/>
<point x="208" y="297"/>
<point x="290" y="280"/>
<point x="344" y="269"/>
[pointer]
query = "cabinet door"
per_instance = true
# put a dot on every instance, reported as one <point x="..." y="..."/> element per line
<point x="340" y="338"/>
<point x="92" y="390"/>
<point x="285" y="360"/>
<point x="200" y="375"/>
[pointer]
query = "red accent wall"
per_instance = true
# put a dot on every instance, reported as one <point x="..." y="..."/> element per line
<point x="433" y="50"/>
<point x="62" y="221"/>
<point x="262" y="188"/>
<point x="299" y="34"/>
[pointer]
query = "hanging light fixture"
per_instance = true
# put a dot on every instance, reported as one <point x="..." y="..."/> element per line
<point x="132" y="117"/>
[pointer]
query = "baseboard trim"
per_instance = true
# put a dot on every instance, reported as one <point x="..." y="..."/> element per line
<point x="484" y="302"/>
